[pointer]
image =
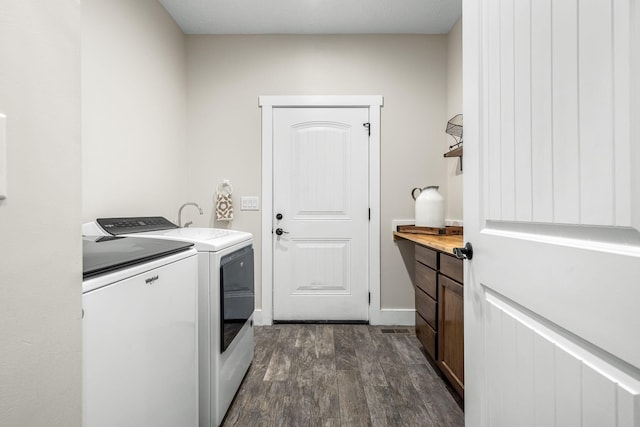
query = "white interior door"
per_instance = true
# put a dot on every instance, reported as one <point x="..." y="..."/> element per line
<point x="552" y="208"/>
<point x="321" y="191"/>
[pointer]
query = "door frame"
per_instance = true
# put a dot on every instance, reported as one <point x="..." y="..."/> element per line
<point x="264" y="316"/>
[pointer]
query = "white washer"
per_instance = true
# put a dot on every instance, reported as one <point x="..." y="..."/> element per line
<point x="221" y="370"/>
<point x="139" y="333"/>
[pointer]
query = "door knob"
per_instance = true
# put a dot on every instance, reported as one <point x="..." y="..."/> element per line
<point x="280" y="231"/>
<point x="279" y="216"/>
<point x="464" y="253"/>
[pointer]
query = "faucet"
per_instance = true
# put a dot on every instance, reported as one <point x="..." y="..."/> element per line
<point x="180" y="213"/>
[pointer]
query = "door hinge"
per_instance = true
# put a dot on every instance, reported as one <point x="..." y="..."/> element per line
<point x="369" y="214"/>
<point x="369" y="298"/>
<point x="368" y="126"/>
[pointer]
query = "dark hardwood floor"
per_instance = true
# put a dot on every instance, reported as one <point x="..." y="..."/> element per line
<point x="341" y="375"/>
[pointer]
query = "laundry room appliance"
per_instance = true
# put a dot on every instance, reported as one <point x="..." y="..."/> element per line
<point x="139" y="333"/>
<point x="225" y="303"/>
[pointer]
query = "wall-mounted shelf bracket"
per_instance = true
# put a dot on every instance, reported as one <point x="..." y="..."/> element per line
<point x="456" y="152"/>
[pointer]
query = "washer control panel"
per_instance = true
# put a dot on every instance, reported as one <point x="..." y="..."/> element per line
<point x="117" y="226"/>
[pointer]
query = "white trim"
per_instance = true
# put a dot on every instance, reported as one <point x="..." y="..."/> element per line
<point x="320" y="101"/>
<point x="396" y="316"/>
<point x="257" y="317"/>
<point x="3" y="157"/>
<point x="267" y="211"/>
<point x="268" y="103"/>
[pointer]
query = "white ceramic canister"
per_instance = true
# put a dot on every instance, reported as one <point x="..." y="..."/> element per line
<point x="429" y="207"/>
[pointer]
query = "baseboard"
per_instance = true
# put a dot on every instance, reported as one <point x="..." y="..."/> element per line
<point x="257" y="317"/>
<point x="387" y="316"/>
<point x="395" y="316"/>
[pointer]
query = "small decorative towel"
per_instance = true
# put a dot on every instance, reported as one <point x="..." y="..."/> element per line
<point x="224" y="202"/>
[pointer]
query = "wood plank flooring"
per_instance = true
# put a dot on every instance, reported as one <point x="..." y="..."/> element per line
<point x="341" y="375"/>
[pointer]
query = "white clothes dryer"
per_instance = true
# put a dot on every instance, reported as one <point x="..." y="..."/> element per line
<point x="226" y="301"/>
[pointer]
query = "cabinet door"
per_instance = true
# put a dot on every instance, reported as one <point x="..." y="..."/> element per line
<point x="451" y="331"/>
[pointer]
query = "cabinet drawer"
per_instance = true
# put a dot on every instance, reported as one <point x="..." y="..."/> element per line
<point x="426" y="280"/>
<point x="452" y="267"/>
<point x="427" y="308"/>
<point x="427" y="256"/>
<point x="426" y="335"/>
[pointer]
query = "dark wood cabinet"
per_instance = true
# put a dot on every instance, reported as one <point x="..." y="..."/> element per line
<point x="452" y="267"/>
<point x="426" y="335"/>
<point x="451" y="331"/>
<point x="426" y="299"/>
<point x="427" y="256"/>
<point x="427" y="308"/>
<point x="427" y="280"/>
<point x="440" y="311"/>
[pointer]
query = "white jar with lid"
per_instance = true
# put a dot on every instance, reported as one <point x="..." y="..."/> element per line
<point x="429" y="207"/>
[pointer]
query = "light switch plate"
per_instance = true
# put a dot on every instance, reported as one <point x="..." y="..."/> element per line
<point x="3" y="157"/>
<point x="249" y="203"/>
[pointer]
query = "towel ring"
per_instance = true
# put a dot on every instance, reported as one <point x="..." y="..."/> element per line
<point x="225" y="187"/>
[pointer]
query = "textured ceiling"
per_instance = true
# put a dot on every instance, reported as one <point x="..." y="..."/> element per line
<point x="314" y="16"/>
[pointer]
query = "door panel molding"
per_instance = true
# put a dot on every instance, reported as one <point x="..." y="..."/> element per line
<point x="331" y="251"/>
<point x="583" y="385"/>
<point x="268" y="103"/>
<point x="558" y="139"/>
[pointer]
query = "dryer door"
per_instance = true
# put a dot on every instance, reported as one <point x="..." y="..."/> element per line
<point x="237" y="290"/>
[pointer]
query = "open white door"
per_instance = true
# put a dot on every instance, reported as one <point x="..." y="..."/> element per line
<point x="552" y="208"/>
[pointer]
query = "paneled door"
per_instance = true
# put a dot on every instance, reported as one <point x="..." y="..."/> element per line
<point x="320" y="213"/>
<point x="552" y="208"/>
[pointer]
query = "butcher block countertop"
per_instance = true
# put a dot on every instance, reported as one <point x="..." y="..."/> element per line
<point x="439" y="243"/>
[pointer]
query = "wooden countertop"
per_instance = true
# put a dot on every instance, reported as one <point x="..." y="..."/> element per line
<point x="439" y="243"/>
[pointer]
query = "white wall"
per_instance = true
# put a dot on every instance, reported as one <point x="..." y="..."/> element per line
<point x="453" y="197"/>
<point x="40" y="245"/>
<point x="133" y="110"/>
<point x="226" y="74"/>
